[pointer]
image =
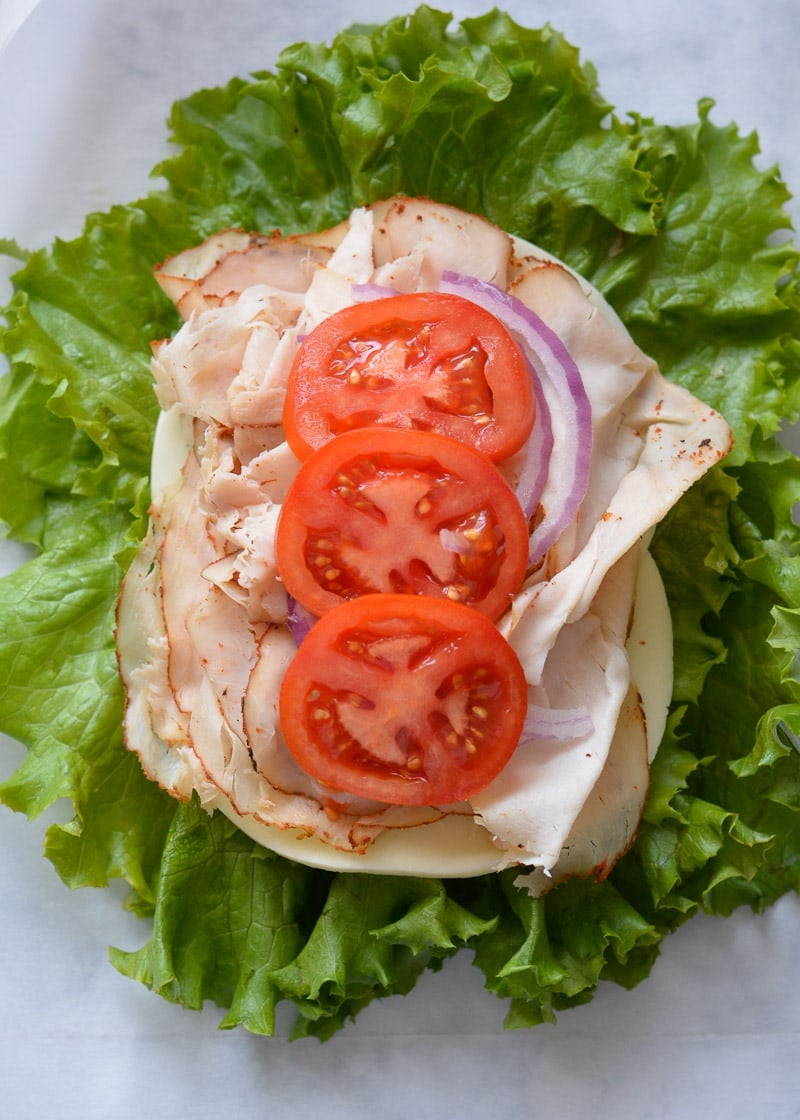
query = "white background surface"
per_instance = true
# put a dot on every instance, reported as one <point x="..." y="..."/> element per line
<point x="85" y="87"/>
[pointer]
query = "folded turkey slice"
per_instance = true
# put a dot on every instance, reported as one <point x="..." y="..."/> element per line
<point x="202" y="631"/>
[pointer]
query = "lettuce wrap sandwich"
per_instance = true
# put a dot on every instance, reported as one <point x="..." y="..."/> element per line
<point x="643" y="214"/>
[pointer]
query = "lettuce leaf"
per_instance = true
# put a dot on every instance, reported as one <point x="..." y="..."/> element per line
<point x="678" y="227"/>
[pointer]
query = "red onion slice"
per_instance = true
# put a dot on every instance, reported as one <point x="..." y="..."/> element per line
<point x="299" y="620"/>
<point x="563" y="724"/>
<point x="453" y="541"/>
<point x="367" y="293"/>
<point x="560" y="386"/>
<point x="537" y="454"/>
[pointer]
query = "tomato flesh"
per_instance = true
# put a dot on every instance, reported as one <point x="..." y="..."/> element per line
<point x="404" y="700"/>
<point x="380" y="510"/>
<point x="430" y="361"/>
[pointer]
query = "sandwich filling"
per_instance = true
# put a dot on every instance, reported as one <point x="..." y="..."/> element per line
<point x="217" y="635"/>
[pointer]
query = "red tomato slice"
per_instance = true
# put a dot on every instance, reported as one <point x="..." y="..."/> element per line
<point x="430" y="360"/>
<point x="405" y="700"/>
<point x="380" y="510"/>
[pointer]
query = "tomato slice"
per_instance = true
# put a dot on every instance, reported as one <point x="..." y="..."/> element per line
<point x="429" y="360"/>
<point x="381" y="510"/>
<point x="405" y="700"/>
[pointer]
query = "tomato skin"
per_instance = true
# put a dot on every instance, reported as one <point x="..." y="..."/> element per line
<point x="404" y="700"/>
<point x="428" y="360"/>
<point x="382" y="511"/>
